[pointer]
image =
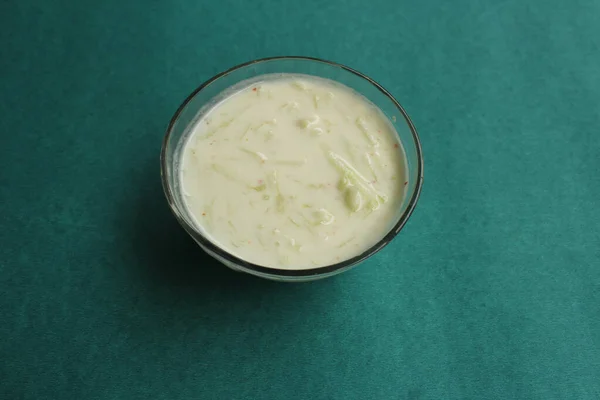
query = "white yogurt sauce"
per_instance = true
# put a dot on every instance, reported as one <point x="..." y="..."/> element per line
<point x="293" y="172"/>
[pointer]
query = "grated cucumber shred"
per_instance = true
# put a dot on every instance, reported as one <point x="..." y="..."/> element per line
<point x="279" y="198"/>
<point x="353" y="199"/>
<point x="306" y="123"/>
<point x="370" y="163"/>
<point x="300" y="85"/>
<point x="345" y="243"/>
<point x="362" y="125"/>
<point x="218" y="168"/>
<point x="352" y="178"/>
<point x="233" y="228"/>
<point x="259" y="188"/>
<point x="290" y="106"/>
<point x="248" y="129"/>
<point x="257" y="154"/>
<point x="218" y="128"/>
<point x="323" y="217"/>
<point x="280" y="202"/>
<point x="316" y="131"/>
<point x="294" y="221"/>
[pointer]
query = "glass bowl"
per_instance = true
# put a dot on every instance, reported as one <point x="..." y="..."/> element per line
<point x="188" y="113"/>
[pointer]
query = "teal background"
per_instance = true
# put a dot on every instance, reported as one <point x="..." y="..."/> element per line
<point x="491" y="291"/>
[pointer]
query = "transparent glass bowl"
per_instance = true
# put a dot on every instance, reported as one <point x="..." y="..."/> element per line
<point x="188" y="113"/>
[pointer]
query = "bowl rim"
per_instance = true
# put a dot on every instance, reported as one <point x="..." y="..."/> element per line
<point x="263" y="271"/>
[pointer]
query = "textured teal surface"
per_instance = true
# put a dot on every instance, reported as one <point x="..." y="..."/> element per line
<point x="492" y="290"/>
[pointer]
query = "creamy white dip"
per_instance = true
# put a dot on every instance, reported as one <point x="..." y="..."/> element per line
<point x="293" y="171"/>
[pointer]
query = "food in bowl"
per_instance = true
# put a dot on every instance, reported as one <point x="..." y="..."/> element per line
<point x="291" y="171"/>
